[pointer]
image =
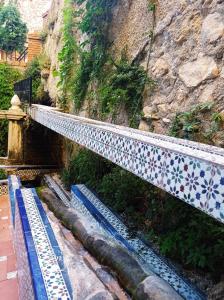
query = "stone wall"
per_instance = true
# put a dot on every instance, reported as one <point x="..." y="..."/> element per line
<point x="185" y="59"/>
<point x="53" y="23"/>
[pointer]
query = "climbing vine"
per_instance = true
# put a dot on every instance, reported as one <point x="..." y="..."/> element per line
<point x="88" y="69"/>
<point x="67" y="56"/>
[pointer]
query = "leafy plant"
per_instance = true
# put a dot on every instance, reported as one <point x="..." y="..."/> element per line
<point x="8" y="76"/>
<point x="191" y="124"/>
<point x="85" y="167"/>
<point x="12" y="30"/>
<point x="2" y="174"/>
<point x="68" y="55"/>
<point x="89" y="69"/>
<point x="34" y="70"/>
<point x="124" y="85"/>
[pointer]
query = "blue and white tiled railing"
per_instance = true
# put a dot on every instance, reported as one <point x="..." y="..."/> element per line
<point x="41" y="271"/>
<point x="84" y="201"/>
<point x="192" y="172"/>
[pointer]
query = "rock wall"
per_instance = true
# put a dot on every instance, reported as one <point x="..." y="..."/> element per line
<point x="185" y="57"/>
<point x="52" y="46"/>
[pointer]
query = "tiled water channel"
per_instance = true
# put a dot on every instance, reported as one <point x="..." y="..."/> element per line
<point x="41" y="271"/>
<point x="89" y="205"/>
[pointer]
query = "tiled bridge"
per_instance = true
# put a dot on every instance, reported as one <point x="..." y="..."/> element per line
<point x="192" y="172"/>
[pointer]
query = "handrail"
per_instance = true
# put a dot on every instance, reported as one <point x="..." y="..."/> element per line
<point x="23" y="55"/>
<point x="193" y="172"/>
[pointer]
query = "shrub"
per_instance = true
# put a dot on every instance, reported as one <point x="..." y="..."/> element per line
<point x="198" y="124"/>
<point x="8" y="76"/>
<point x="2" y="175"/>
<point x="85" y="167"/>
<point x="34" y="70"/>
<point x="181" y="232"/>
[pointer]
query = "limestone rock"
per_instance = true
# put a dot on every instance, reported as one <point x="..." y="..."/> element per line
<point x="160" y="68"/>
<point x="155" y="288"/>
<point x="193" y="73"/>
<point x="166" y="121"/>
<point x="150" y="113"/>
<point x="163" y="108"/>
<point x="222" y="115"/>
<point x="212" y="28"/>
<point x="218" y="139"/>
<point x="143" y="126"/>
<point x="217" y="292"/>
<point x="102" y="295"/>
<point x="222" y="73"/>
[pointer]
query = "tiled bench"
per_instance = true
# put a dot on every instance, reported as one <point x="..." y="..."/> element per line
<point x="41" y="271"/>
<point x="87" y="203"/>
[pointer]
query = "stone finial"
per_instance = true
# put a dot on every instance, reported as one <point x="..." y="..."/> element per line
<point x="15" y="103"/>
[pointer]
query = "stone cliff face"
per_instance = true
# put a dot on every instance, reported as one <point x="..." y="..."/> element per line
<point x="185" y="57"/>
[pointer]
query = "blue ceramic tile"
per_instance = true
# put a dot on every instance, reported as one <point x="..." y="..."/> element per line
<point x="94" y="208"/>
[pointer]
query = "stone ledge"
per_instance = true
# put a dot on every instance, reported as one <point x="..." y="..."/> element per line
<point x="12" y="115"/>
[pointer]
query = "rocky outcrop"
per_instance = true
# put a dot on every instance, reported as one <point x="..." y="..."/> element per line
<point x="52" y="46"/>
<point x="155" y="288"/>
<point x="185" y="58"/>
<point x="195" y="72"/>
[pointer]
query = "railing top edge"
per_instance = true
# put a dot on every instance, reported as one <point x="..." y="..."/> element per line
<point x="4" y="182"/>
<point x="196" y="150"/>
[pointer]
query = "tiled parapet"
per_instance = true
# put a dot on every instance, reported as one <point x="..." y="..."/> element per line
<point x="41" y="271"/>
<point x="84" y="201"/>
<point x="3" y="187"/>
<point x="13" y="184"/>
<point x="192" y="172"/>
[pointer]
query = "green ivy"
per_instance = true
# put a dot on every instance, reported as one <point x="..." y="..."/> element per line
<point x="198" y="124"/>
<point x="8" y="76"/>
<point x="84" y="73"/>
<point x="68" y="55"/>
<point x="2" y="175"/>
<point x="34" y="70"/>
<point x="123" y="86"/>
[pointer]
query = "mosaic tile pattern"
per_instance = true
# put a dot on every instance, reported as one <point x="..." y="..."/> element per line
<point x="3" y="188"/>
<point x="54" y="186"/>
<point x="190" y="171"/>
<point x="13" y="184"/>
<point x="51" y="272"/>
<point x="147" y="255"/>
<point x="26" y="291"/>
<point x="30" y="174"/>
